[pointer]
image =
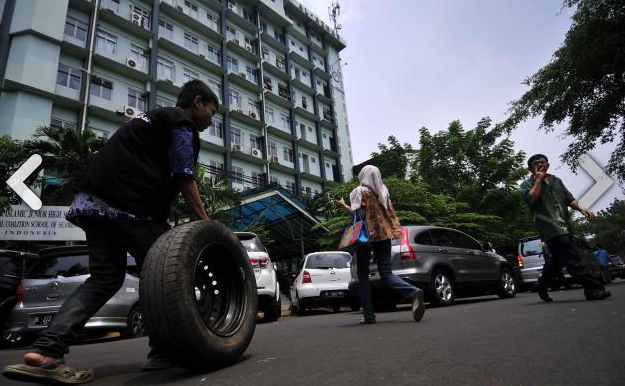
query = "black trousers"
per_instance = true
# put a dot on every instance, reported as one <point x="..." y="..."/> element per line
<point x="108" y="243"/>
<point x="564" y="253"/>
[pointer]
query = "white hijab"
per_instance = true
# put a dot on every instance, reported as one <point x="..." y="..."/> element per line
<point x="371" y="179"/>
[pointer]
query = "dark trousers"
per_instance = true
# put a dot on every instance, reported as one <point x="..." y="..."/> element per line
<point x="382" y="252"/>
<point x="564" y="253"/>
<point x="108" y="243"/>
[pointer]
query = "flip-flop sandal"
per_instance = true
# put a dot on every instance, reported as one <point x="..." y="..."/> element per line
<point x="55" y="373"/>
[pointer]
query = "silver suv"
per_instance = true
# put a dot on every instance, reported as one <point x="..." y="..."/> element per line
<point x="266" y="277"/>
<point x="443" y="262"/>
<point x="54" y="276"/>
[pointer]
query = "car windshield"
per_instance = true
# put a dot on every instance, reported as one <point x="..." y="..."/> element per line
<point x="328" y="260"/>
<point x="531" y="247"/>
<point x="66" y="266"/>
<point x="251" y="243"/>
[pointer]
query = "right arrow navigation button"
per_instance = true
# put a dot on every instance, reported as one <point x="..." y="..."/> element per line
<point x="601" y="186"/>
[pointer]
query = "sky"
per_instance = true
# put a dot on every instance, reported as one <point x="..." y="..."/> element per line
<point x="425" y="63"/>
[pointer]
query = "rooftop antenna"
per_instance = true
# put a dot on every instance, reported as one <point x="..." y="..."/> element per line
<point x="334" y="11"/>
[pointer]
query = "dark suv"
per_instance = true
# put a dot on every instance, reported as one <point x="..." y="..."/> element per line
<point x="445" y="263"/>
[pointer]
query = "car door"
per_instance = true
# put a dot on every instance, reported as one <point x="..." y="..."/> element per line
<point x="450" y="254"/>
<point x="341" y="268"/>
<point x="482" y="268"/>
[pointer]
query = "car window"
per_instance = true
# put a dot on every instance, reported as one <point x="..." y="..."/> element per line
<point x="424" y="238"/>
<point x="616" y="260"/>
<point x="251" y="243"/>
<point x="442" y="238"/>
<point x="10" y="266"/>
<point x="460" y="240"/>
<point x="531" y="247"/>
<point x="328" y="260"/>
<point x="131" y="266"/>
<point x="66" y="266"/>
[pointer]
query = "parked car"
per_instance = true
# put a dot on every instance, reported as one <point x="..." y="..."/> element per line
<point x="445" y="263"/>
<point x="267" y="285"/>
<point x="322" y="281"/>
<point x="530" y="259"/>
<point x="12" y="266"/>
<point x="616" y="267"/>
<point x="511" y="253"/>
<point x="53" y="277"/>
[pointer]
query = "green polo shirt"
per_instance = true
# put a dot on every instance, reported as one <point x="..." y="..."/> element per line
<point x="549" y="210"/>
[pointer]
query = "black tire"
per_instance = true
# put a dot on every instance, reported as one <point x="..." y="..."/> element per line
<point x="354" y="305"/>
<point x="507" y="284"/>
<point x="198" y="295"/>
<point x="273" y="310"/>
<point x="300" y="309"/>
<point x="136" y="327"/>
<point x="442" y="288"/>
<point x="336" y="308"/>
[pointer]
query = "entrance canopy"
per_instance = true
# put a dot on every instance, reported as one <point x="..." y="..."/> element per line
<point x="285" y="216"/>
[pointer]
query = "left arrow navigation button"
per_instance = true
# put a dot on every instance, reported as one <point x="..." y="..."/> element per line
<point x="16" y="181"/>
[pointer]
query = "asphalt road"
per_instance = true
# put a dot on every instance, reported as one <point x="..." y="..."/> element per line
<point x="479" y="341"/>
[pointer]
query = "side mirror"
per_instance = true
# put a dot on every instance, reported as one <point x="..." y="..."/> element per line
<point x="487" y="246"/>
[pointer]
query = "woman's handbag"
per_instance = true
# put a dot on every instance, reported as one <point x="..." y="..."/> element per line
<point x="356" y="233"/>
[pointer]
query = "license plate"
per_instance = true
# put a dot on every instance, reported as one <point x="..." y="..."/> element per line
<point x="333" y="294"/>
<point x="256" y="271"/>
<point x="41" y="320"/>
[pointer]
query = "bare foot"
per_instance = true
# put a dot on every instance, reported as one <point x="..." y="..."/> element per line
<point x="38" y="360"/>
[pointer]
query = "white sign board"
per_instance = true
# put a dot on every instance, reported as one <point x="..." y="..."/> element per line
<point x="46" y="224"/>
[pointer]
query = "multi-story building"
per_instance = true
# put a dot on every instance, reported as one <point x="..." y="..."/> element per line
<point x="93" y="64"/>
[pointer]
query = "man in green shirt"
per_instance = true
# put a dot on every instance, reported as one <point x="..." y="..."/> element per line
<point x="549" y="200"/>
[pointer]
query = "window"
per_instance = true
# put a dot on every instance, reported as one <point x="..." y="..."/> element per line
<point x="105" y="42"/>
<point x="113" y="5"/>
<point x="269" y="115"/>
<point x="308" y="190"/>
<point x="287" y="154"/>
<point x="327" y="165"/>
<point x="263" y="26"/>
<point x="231" y="34"/>
<point x="460" y="240"/>
<point x="313" y="160"/>
<point x="139" y="56"/>
<point x="165" y="69"/>
<point x="215" y="87"/>
<point x="423" y="238"/>
<point x="56" y="122"/>
<point x="442" y="238"/>
<point x="216" y="129"/>
<point x="267" y="83"/>
<point x="273" y="149"/>
<point x="324" y="135"/>
<point x="238" y="174"/>
<point x="100" y="133"/>
<point x="213" y="54"/>
<point x="141" y="15"/>
<point x="68" y="77"/>
<point x="215" y="168"/>
<point x="255" y="142"/>
<point x="283" y="91"/>
<point x="279" y="36"/>
<point x="136" y="99"/>
<point x="188" y="75"/>
<point x="310" y="129"/>
<point x="162" y="102"/>
<point x="165" y="30"/>
<point x="101" y="88"/>
<point x="235" y="136"/>
<point x="213" y="22"/>
<point x="249" y="16"/>
<point x="274" y="180"/>
<point x="190" y="42"/>
<point x="233" y="64"/>
<point x="252" y="74"/>
<point x="75" y="29"/>
<point x="265" y="54"/>
<point x="190" y="9"/>
<point x="235" y="99"/>
<point x="290" y="185"/>
<point x="284" y="120"/>
<point x="304" y="102"/>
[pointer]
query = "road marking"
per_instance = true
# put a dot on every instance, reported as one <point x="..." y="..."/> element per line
<point x="16" y="181"/>
<point x="602" y="184"/>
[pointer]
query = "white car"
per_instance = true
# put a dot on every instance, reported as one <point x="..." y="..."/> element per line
<point x="266" y="277"/>
<point x="322" y="281"/>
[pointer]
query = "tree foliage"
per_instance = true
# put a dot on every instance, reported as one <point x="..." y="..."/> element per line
<point x="391" y="159"/>
<point x="608" y="229"/>
<point x="583" y="85"/>
<point x="12" y="155"/>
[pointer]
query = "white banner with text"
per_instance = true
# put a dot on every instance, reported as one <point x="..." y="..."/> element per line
<point x="46" y="224"/>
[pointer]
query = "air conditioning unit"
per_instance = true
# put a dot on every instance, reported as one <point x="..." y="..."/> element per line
<point x="231" y="6"/>
<point x="170" y="81"/>
<point x="132" y="63"/>
<point x="237" y="147"/>
<point x="236" y="41"/>
<point x="257" y="153"/>
<point x="137" y="18"/>
<point x="249" y="48"/>
<point x="275" y="159"/>
<point x="252" y="114"/>
<point x="129" y="112"/>
<point x="179" y="8"/>
<point x="242" y="75"/>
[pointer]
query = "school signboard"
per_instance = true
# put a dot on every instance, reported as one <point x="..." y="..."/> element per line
<point x="46" y="224"/>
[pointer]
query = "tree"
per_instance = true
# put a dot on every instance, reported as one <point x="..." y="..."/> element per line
<point x="609" y="228"/>
<point x="583" y="85"/>
<point x="65" y="152"/>
<point x="392" y="160"/>
<point x="12" y="155"/>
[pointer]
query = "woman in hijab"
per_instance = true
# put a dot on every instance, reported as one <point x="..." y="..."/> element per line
<point x="371" y="199"/>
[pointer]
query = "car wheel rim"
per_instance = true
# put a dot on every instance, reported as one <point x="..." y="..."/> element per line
<point x="443" y="287"/>
<point x="508" y="282"/>
<point x="219" y="291"/>
<point x="137" y="323"/>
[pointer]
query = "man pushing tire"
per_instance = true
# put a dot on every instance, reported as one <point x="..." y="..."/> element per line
<point x="204" y="312"/>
